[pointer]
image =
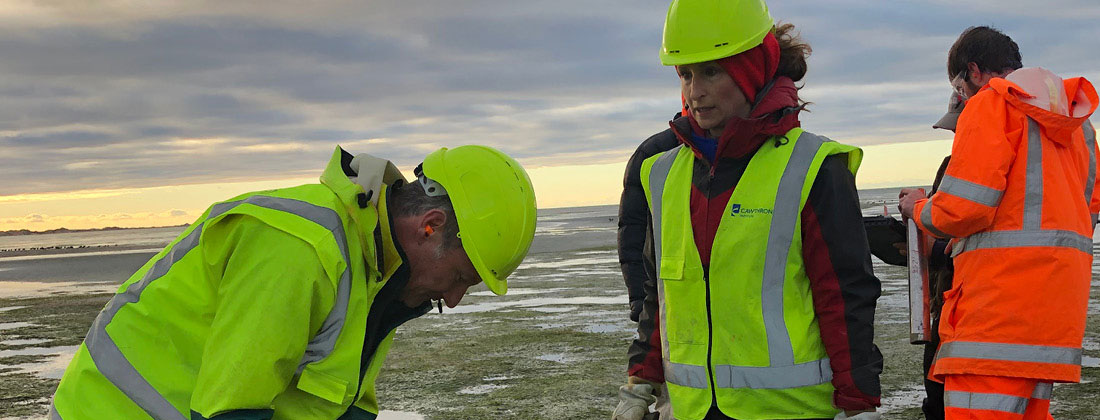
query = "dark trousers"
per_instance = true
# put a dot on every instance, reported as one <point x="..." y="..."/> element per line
<point x="933" y="401"/>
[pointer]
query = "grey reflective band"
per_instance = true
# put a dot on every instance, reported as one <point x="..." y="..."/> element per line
<point x="1024" y="239"/>
<point x="1033" y="192"/>
<point x="970" y="191"/>
<point x="112" y="363"/>
<point x="1042" y="391"/>
<point x="658" y="174"/>
<point x="982" y="401"/>
<point x="926" y="220"/>
<point x="108" y="357"/>
<point x="53" y="412"/>
<point x="690" y="376"/>
<point x="1095" y="217"/>
<point x="1090" y="144"/>
<point x="773" y="377"/>
<point x="1010" y="352"/>
<point x="324" y="342"/>
<point x="781" y="233"/>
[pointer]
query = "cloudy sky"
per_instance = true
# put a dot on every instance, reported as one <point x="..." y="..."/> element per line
<point x="142" y="112"/>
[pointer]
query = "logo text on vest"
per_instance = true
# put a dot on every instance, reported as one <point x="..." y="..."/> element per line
<point x="737" y="210"/>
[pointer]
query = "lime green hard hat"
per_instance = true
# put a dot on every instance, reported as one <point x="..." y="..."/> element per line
<point x="705" y="30"/>
<point x="494" y="203"/>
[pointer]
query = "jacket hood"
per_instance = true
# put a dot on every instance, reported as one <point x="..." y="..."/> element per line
<point x="1061" y="106"/>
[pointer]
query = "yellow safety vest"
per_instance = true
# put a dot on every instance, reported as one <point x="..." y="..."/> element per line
<point x="744" y="331"/>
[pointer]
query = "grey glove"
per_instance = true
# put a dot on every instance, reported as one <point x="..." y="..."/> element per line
<point x="869" y="415"/>
<point x="634" y="402"/>
<point x="636" y="309"/>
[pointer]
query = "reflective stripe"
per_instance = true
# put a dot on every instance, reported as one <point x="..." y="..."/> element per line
<point x="1095" y="217"/>
<point x="1042" y="391"/>
<point x="108" y="357"/>
<point x="1033" y="192"/>
<point x="970" y="191"/>
<point x="112" y="363"/>
<point x="1010" y="352"/>
<point x="1032" y="234"/>
<point x="926" y="220"/>
<point x="982" y="401"/>
<point x="690" y="376"/>
<point x="780" y="236"/>
<point x="1090" y="144"/>
<point x="1023" y="238"/>
<point x="773" y="377"/>
<point x="324" y="342"/>
<point x="763" y="377"/>
<point x="658" y="174"/>
<point x="53" y="412"/>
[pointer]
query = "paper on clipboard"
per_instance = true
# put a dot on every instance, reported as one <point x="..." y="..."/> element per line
<point x="920" y="322"/>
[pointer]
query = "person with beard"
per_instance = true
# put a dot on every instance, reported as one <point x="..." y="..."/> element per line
<point x="760" y="297"/>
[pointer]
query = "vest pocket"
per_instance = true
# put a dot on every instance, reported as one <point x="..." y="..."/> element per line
<point x="672" y="268"/>
<point x="323" y="385"/>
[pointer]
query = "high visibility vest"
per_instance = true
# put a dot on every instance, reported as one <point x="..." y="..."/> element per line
<point x="142" y="355"/>
<point x="1019" y="197"/>
<point x="745" y="331"/>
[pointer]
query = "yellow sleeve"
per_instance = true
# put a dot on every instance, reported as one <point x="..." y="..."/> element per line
<point x="273" y="294"/>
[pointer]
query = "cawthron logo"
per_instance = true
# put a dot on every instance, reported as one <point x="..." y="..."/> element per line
<point x="737" y="210"/>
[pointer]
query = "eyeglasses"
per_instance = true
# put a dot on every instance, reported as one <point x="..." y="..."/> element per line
<point x="958" y="82"/>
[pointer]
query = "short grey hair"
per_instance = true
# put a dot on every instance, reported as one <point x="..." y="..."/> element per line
<point x="410" y="199"/>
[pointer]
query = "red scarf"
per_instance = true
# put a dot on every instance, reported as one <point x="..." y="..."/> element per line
<point x="775" y="113"/>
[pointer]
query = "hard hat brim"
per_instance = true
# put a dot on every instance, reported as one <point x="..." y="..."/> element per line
<point x="679" y="59"/>
<point x="494" y="284"/>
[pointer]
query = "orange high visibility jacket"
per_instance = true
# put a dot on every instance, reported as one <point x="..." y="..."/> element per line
<point x="1020" y="198"/>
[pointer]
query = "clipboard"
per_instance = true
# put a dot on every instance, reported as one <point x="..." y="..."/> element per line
<point x="882" y="233"/>
<point x="920" y="322"/>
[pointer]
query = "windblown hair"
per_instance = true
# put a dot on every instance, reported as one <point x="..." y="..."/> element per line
<point x="793" y="52"/>
<point x="990" y="49"/>
<point x="409" y="199"/>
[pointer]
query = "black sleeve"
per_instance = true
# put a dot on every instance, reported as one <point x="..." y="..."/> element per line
<point x="844" y="287"/>
<point x="634" y="218"/>
<point x="644" y="355"/>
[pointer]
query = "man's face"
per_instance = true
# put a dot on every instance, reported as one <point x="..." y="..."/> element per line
<point x="968" y="82"/>
<point x="436" y="274"/>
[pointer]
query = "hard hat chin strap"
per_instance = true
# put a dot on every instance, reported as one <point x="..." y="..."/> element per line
<point x="431" y="187"/>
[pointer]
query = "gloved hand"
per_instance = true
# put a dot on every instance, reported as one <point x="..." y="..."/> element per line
<point x="866" y="415"/>
<point x="634" y="400"/>
<point x="636" y="309"/>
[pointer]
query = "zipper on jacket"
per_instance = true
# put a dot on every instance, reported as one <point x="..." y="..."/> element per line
<point x="710" y="340"/>
<point x="706" y="284"/>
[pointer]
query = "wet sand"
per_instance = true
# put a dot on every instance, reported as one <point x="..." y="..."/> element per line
<point x="554" y="347"/>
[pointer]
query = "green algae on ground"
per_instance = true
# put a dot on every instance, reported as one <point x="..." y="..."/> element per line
<point x="530" y="361"/>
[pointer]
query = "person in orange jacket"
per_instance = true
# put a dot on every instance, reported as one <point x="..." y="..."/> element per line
<point x="1019" y="198"/>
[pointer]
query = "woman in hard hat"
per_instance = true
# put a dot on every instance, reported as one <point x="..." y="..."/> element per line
<point x="764" y="297"/>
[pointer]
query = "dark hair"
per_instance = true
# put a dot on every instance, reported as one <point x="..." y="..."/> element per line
<point x="792" y="52"/>
<point x="409" y="199"/>
<point x="990" y="49"/>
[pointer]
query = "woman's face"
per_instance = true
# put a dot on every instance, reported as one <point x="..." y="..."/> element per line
<point x="712" y="96"/>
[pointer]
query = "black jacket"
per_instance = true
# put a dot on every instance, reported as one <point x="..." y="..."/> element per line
<point x="634" y="220"/>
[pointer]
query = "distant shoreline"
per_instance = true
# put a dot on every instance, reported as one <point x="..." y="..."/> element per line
<point x="24" y="232"/>
<point x="74" y="250"/>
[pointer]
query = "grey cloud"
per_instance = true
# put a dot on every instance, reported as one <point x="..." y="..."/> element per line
<point x="128" y="99"/>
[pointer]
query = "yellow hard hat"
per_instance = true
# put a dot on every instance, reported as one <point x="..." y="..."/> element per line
<point x="705" y="30"/>
<point x="494" y="203"/>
